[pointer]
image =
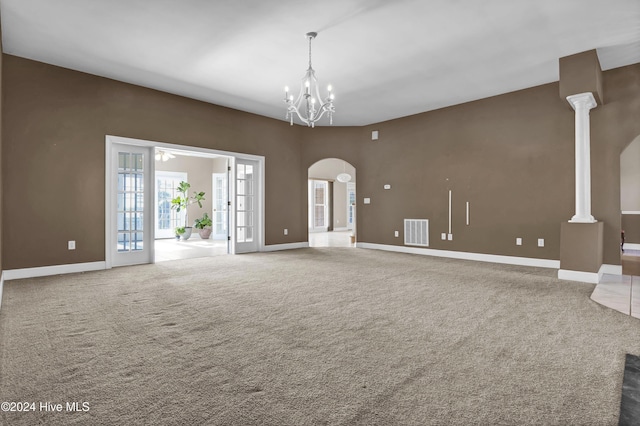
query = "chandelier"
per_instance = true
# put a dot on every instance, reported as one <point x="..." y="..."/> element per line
<point x="309" y="106"/>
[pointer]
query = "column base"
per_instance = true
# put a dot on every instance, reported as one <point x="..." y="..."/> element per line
<point x="581" y="251"/>
<point x="582" y="219"/>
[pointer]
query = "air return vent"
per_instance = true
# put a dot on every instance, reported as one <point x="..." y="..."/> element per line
<point x="416" y="232"/>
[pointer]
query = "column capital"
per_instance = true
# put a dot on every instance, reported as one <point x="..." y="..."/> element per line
<point x="582" y="100"/>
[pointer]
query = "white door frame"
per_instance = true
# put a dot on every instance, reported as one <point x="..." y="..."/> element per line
<point x="147" y="254"/>
<point x="110" y="140"/>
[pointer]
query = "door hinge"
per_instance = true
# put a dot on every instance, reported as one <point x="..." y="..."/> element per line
<point x="228" y="168"/>
<point x="228" y="237"/>
<point x="229" y="203"/>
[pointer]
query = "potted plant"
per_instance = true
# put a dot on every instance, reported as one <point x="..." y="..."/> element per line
<point x="181" y="202"/>
<point x="203" y="225"/>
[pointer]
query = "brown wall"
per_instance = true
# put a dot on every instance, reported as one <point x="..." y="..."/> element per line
<point x="55" y="126"/>
<point x="510" y="156"/>
<point x="631" y="227"/>
<point x="489" y="152"/>
<point x="1" y="159"/>
<point x="630" y="177"/>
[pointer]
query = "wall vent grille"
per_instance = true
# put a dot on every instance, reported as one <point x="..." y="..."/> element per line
<point x="416" y="232"/>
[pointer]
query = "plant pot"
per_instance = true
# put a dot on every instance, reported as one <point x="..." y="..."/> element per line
<point x="205" y="233"/>
<point x="187" y="233"/>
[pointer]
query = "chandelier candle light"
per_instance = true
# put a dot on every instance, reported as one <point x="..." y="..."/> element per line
<point x="305" y="106"/>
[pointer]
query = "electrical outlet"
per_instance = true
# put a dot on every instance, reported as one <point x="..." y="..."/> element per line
<point x="450" y="237"/>
<point x="397" y="233"/>
<point x="367" y="200"/>
<point x="540" y="242"/>
<point x="443" y="236"/>
<point x="286" y="231"/>
<point x="71" y="245"/>
<point x="518" y="241"/>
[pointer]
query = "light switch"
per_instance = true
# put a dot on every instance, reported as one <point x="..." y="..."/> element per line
<point x="374" y="135"/>
<point x="367" y="200"/>
<point x="387" y="186"/>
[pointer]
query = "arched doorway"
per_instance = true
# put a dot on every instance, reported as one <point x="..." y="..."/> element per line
<point x="332" y="203"/>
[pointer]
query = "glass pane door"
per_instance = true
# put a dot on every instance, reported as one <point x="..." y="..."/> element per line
<point x="168" y="219"/>
<point x="246" y="208"/>
<point x="351" y="205"/>
<point x="318" y="202"/>
<point x="220" y="204"/>
<point x="130" y="223"/>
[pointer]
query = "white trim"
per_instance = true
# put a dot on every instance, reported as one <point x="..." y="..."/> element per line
<point x="1" y="288"/>
<point x="341" y="229"/>
<point x="630" y="212"/>
<point x="43" y="271"/>
<point x="631" y="246"/>
<point x="288" y="246"/>
<point x="480" y="257"/>
<point x="587" y="277"/>
<point x="108" y="187"/>
<point x="610" y="269"/>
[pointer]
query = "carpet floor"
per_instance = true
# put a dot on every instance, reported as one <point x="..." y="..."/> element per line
<point x="313" y="337"/>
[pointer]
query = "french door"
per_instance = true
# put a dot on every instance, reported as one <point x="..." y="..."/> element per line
<point x="246" y="224"/>
<point x="318" y="201"/>
<point x="220" y="187"/>
<point x="166" y="218"/>
<point x="351" y="205"/>
<point x="131" y="233"/>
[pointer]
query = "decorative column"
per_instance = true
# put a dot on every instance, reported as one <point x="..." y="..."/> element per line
<point x="582" y="103"/>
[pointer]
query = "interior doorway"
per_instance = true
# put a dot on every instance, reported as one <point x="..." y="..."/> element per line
<point x="143" y="178"/>
<point x="630" y="208"/>
<point x="206" y="174"/>
<point x="332" y="204"/>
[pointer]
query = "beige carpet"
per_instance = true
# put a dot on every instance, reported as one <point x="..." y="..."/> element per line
<point x="312" y="337"/>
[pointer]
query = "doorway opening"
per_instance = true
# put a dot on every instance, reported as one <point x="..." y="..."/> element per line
<point x="332" y="204"/>
<point x="630" y="208"/>
<point x="142" y="179"/>
<point x="206" y="173"/>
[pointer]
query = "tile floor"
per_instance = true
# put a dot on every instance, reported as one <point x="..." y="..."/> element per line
<point x="170" y="249"/>
<point x="330" y="239"/>
<point x="620" y="292"/>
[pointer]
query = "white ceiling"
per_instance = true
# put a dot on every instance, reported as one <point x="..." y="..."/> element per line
<point x="385" y="59"/>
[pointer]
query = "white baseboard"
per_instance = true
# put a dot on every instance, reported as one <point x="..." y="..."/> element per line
<point x="43" y="271"/>
<point x="631" y="246"/>
<point x="587" y="277"/>
<point x="289" y="246"/>
<point x="341" y="229"/>
<point x="610" y="269"/>
<point x="480" y="257"/>
<point x="1" y="288"/>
